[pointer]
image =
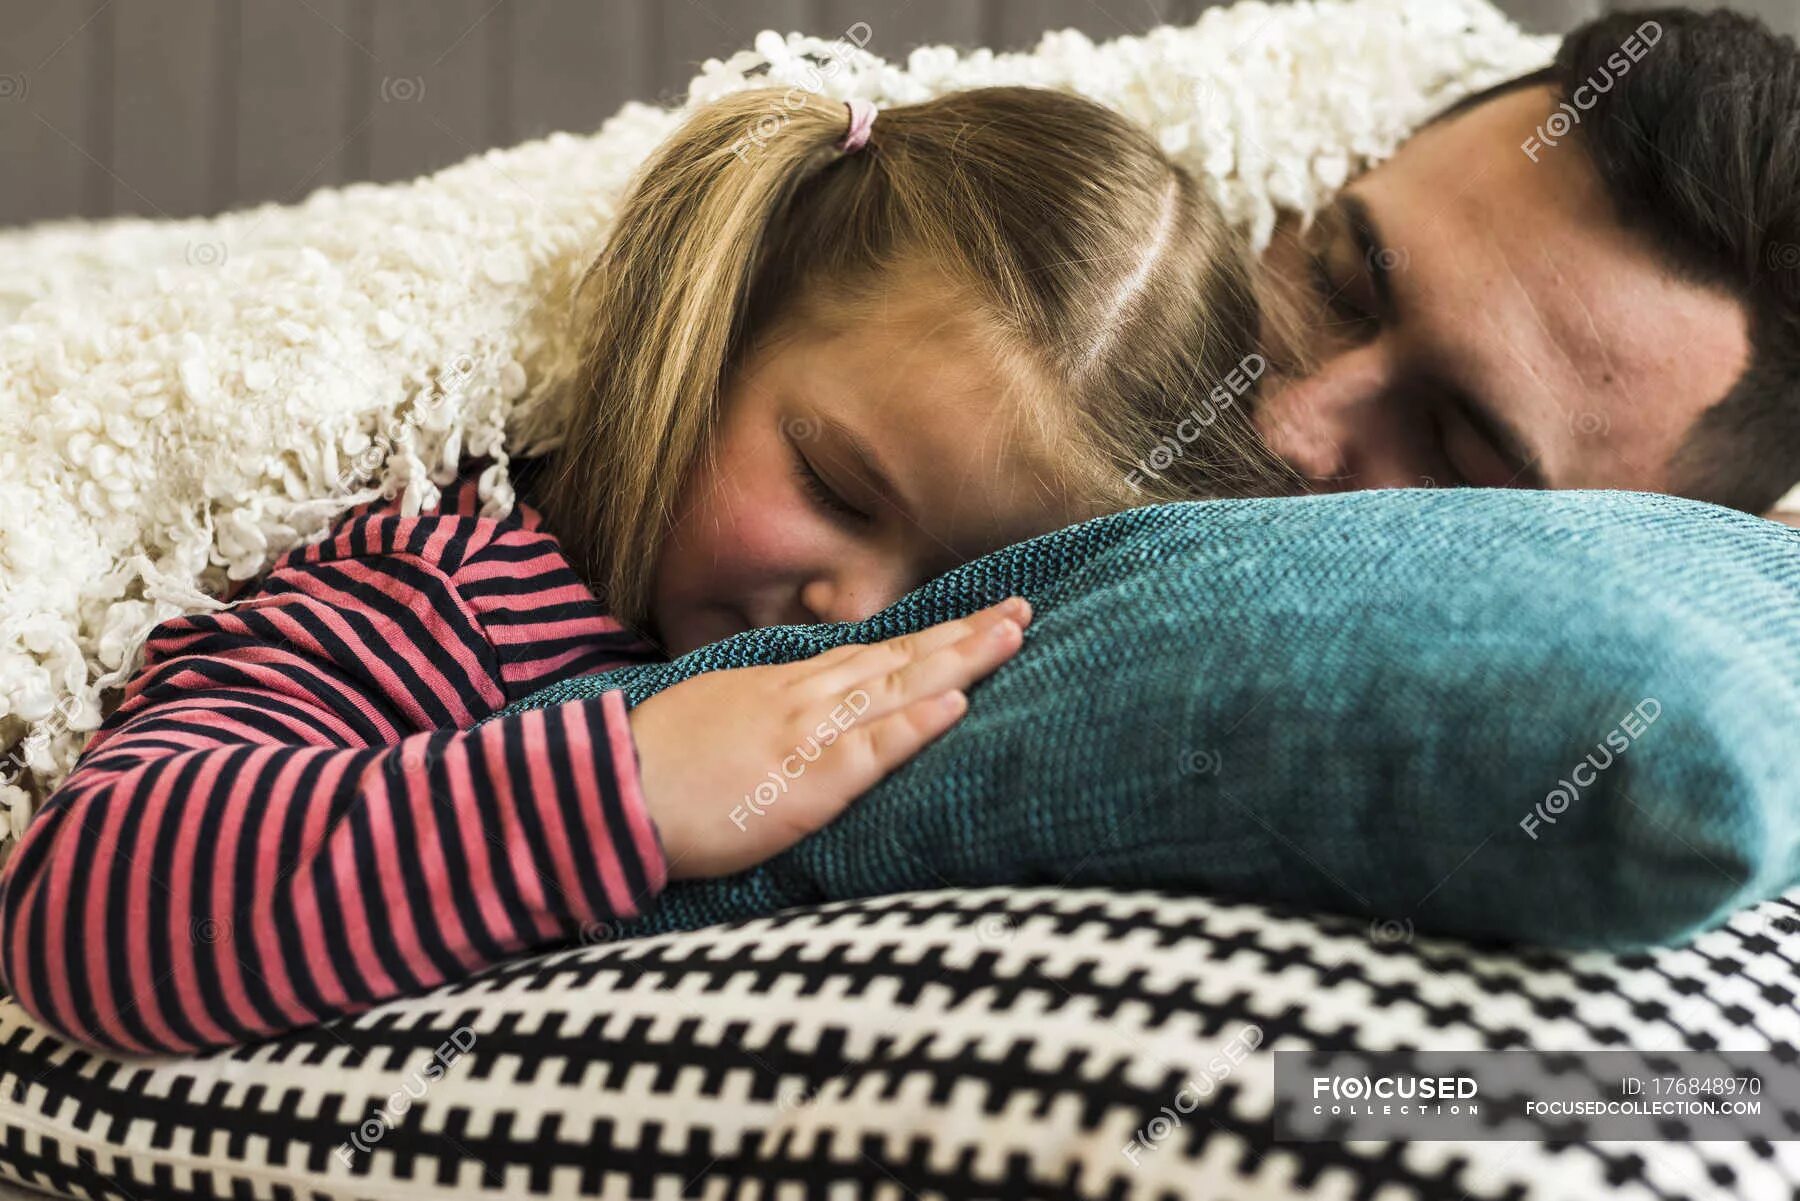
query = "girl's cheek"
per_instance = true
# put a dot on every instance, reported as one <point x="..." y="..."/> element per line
<point x="786" y="534"/>
<point x="756" y="533"/>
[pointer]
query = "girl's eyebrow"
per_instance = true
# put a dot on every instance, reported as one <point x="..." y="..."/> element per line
<point x="868" y="463"/>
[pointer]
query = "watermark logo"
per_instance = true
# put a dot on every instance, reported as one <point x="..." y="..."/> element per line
<point x="995" y="929"/>
<point x="374" y="1128"/>
<point x="1192" y="1094"/>
<point x="1390" y="932"/>
<point x="1343" y="1095"/>
<point x="594" y="933"/>
<point x="795" y="1097"/>
<point x="206" y="931"/>
<point x="1556" y="802"/>
<point x="1201" y="762"/>
<point x="19" y="755"/>
<point x="1588" y="423"/>
<point x="771" y="123"/>
<point x="1388" y="260"/>
<point x="206" y="254"/>
<point x="1521" y="1095"/>
<point x="402" y="89"/>
<point x="800" y="429"/>
<point x="1569" y="113"/>
<point x="1229" y="391"/>
<point x="794" y="765"/>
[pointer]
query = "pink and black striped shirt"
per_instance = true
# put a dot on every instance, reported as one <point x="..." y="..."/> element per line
<point x="288" y="818"/>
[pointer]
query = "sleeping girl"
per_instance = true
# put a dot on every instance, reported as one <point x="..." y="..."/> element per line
<point x="820" y="365"/>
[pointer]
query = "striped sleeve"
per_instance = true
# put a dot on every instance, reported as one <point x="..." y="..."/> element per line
<point x="288" y="819"/>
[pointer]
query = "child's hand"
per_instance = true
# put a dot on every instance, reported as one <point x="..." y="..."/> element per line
<point x="737" y="765"/>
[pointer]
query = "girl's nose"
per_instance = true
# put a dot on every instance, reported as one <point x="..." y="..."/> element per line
<point x="847" y="597"/>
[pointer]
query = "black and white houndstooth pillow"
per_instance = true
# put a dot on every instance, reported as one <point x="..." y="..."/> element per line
<point x="1020" y="1043"/>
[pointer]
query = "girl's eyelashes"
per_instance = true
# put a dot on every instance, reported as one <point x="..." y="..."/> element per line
<point x="822" y="493"/>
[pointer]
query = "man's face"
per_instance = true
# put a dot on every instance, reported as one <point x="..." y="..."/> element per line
<point x="1476" y="318"/>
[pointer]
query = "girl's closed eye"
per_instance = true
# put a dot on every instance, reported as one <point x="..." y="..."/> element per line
<point x="822" y="493"/>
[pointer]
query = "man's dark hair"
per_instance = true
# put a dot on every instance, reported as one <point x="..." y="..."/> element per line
<point x="1698" y="145"/>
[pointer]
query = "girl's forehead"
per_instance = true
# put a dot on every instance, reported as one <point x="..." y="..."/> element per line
<point x="966" y="433"/>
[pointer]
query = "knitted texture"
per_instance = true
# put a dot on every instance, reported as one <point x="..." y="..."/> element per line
<point x="1407" y="704"/>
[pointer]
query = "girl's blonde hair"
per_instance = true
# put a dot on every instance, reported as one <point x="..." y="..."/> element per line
<point x="1094" y="261"/>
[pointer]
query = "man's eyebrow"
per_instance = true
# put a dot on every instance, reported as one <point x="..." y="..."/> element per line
<point x="865" y="460"/>
<point x="1379" y="259"/>
<point x="1503" y="438"/>
<point x="1375" y="253"/>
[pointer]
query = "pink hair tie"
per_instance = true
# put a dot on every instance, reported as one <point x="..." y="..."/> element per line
<point x="862" y="119"/>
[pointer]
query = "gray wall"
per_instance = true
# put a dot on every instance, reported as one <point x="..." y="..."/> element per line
<point x="186" y="107"/>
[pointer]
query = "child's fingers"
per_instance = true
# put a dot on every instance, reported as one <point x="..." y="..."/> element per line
<point x="844" y="672"/>
<point x="955" y="666"/>
<point x="881" y="744"/>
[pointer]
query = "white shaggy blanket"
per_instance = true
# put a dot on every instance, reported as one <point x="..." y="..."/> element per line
<point x="184" y="400"/>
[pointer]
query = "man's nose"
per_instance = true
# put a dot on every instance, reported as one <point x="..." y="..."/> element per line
<point x="1290" y="421"/>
